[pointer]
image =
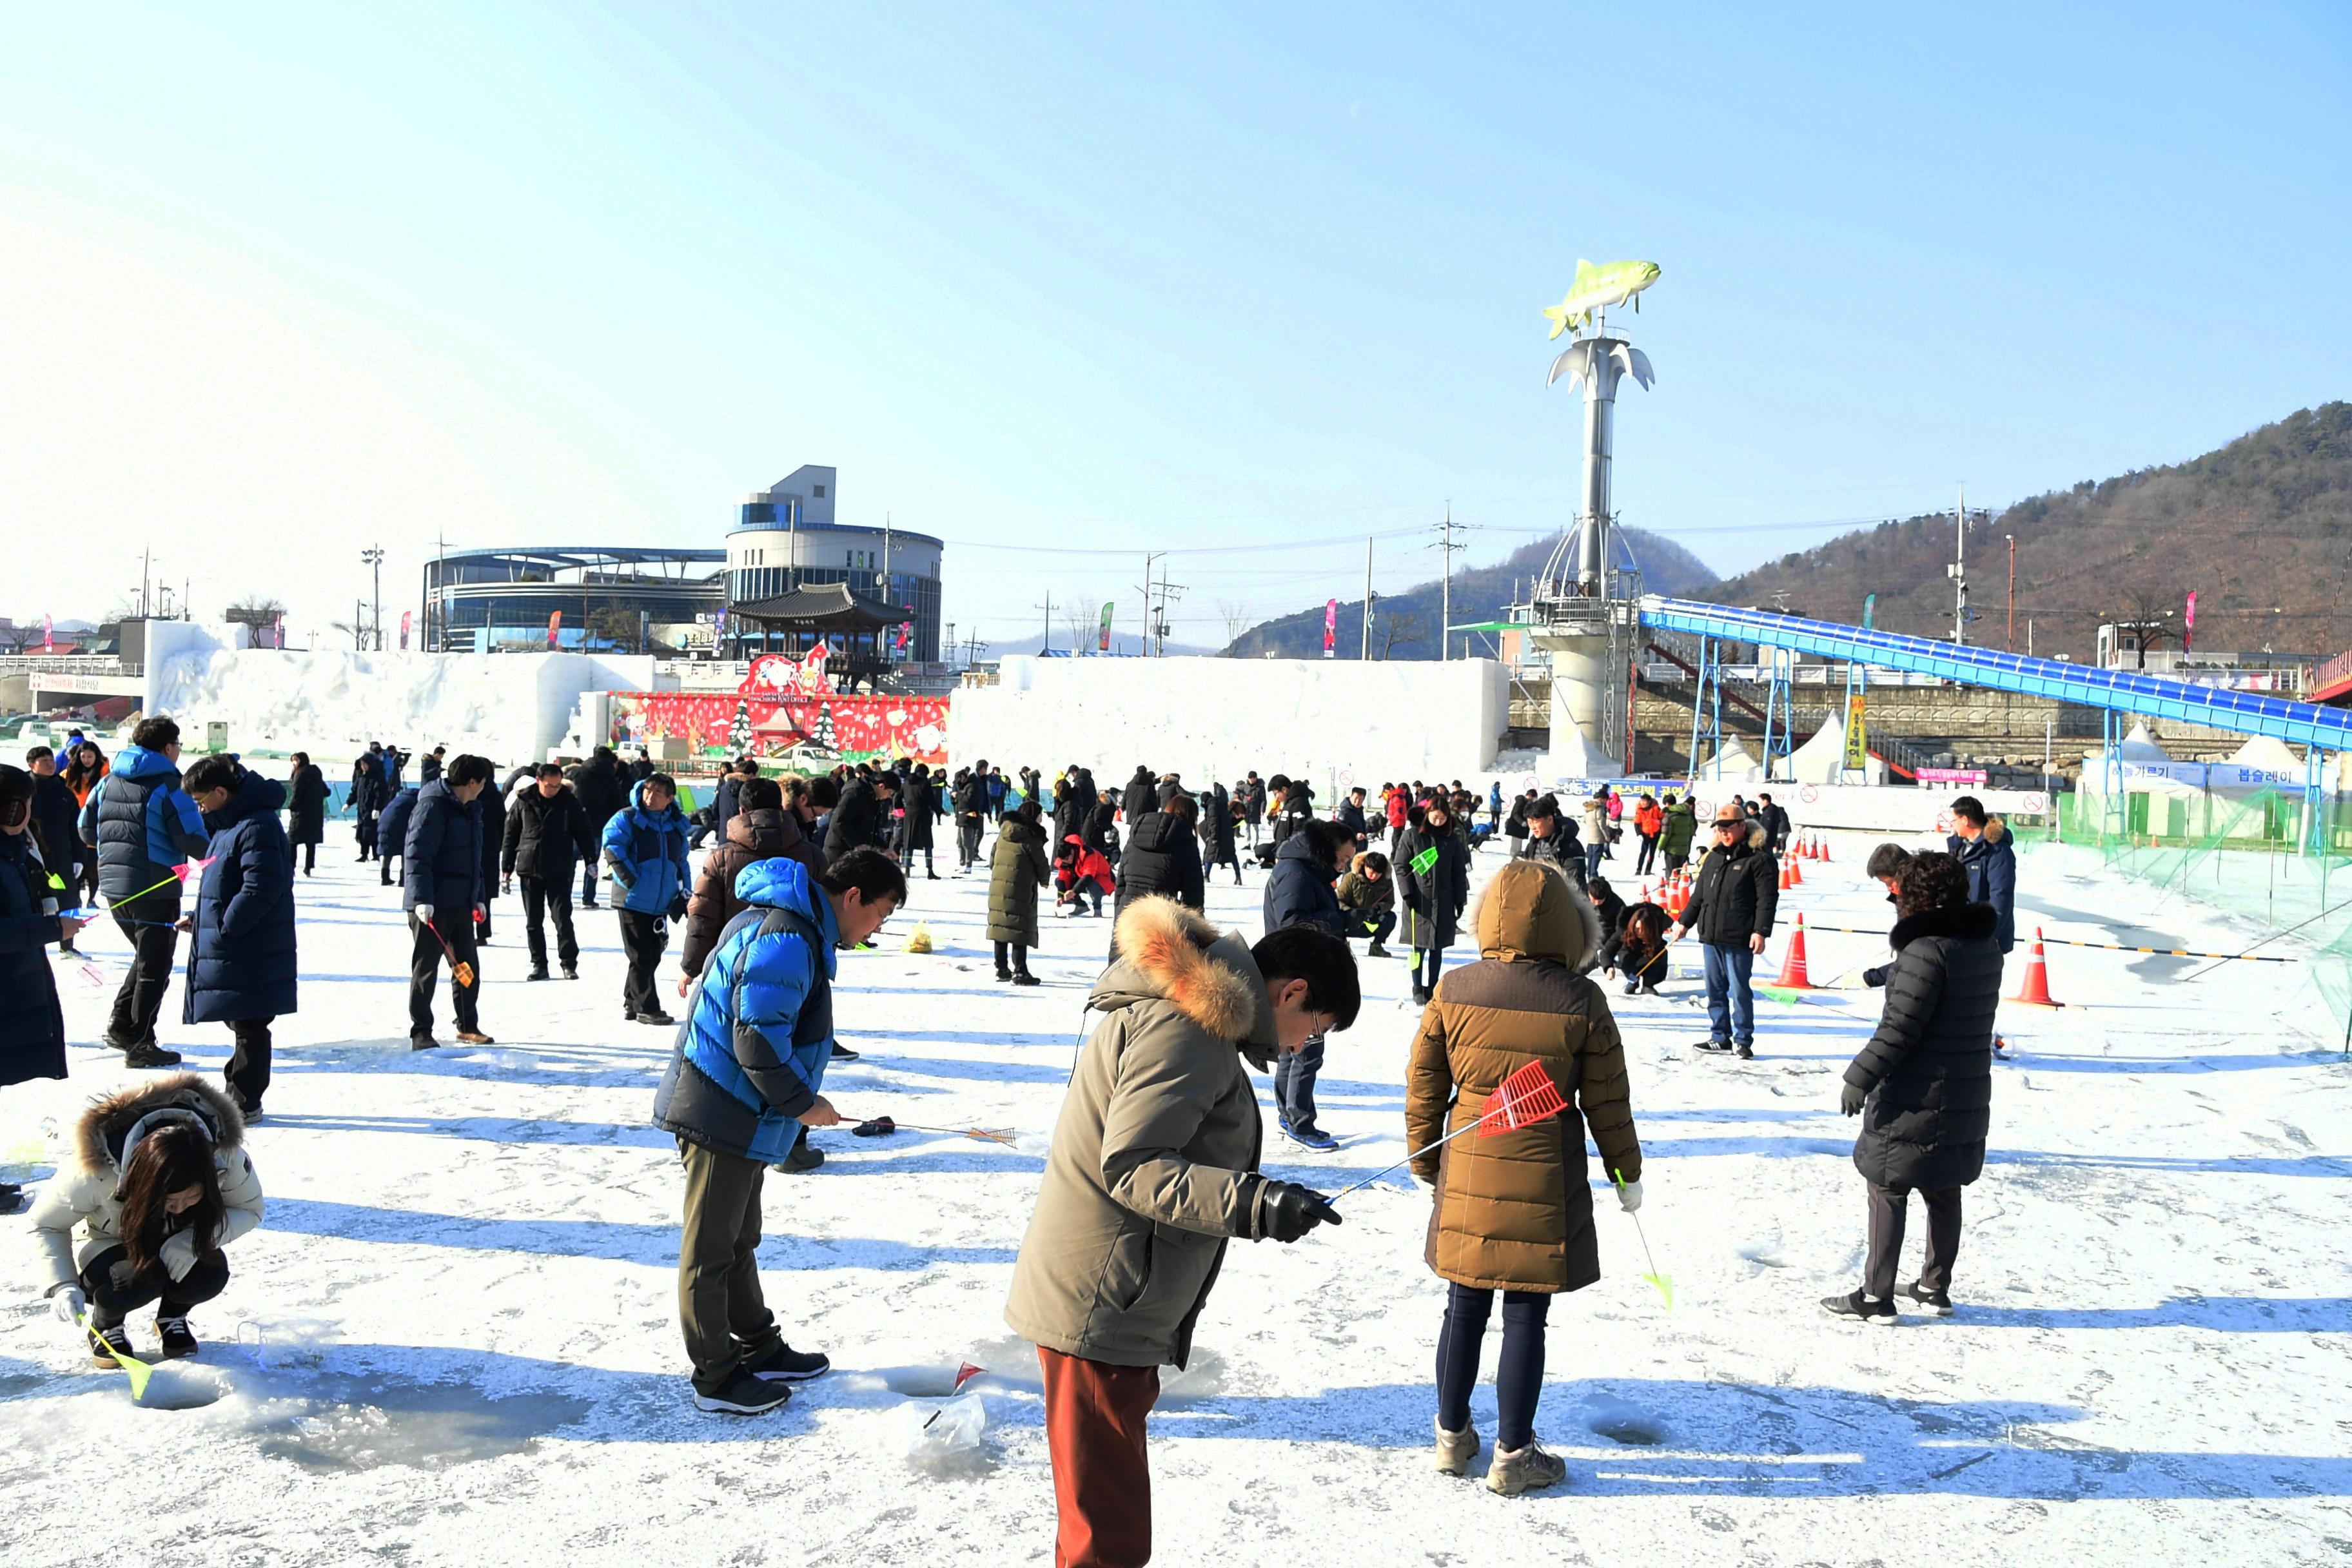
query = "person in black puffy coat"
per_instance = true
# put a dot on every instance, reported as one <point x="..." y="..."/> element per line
<point x="32" y="1025"/>
<point x="601" y="791"/>
<point x="1923" y="1085"/>
<point x="242" y="963"/>
<point x="1432" y="872"/>
<point x="441" y="868"/>
<point x="307" y="798"/>
<point x="1733" y="901"/>
<point x="1162" y="856"/>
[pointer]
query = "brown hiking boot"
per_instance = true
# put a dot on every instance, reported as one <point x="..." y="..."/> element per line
<point x="476" y="1037"/>
<point x="1456" y="1449"/>
<point x="1517" y="1470"/>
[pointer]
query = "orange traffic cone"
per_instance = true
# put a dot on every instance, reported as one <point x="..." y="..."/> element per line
<point x="1796" y="873"/>
<point x="1821" y="848"/>
<point x="2035" y="991"/>
<point x="1786" y="866"/>
<point x="1792" y="969"/>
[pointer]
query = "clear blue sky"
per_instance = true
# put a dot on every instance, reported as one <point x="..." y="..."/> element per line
<point x="276" y="282"/>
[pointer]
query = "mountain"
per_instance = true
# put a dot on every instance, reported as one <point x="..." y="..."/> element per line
<point x="1405" y="626"/>
<point x="2260" y="530"/>
<point x="1125" y="644"/>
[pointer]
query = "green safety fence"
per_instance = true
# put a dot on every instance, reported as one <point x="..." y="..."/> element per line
<point x="2257" y="856"/>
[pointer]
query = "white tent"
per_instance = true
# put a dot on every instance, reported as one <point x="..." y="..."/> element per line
<point x="1738" y="763"/>
<point x="2139" y="746"/>
<point x="2269" y="754"/>
<point x="1821" y="760"/>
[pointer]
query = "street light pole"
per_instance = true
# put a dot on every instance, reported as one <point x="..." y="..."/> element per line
<point x="373" y="557"/>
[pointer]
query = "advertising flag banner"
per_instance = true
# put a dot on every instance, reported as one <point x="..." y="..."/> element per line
<point x="2189" y="623"/>
<point x="1330" y="628"/>
<point x="48" y="634"/>
<point x="554" y="624"/>
<point x="405" y="617"/>
<point x="1857" y="734"/>
<point x="1102" y="635"/>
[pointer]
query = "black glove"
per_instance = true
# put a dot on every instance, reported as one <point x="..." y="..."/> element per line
<point x="1287" y="1211"/>
<point x="1849" y="1099"/>
<point x="1877" y="977"/>
<point x="677" y="907"/>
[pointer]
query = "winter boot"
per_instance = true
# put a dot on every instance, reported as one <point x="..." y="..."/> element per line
<point x="476" y="1037"/>
<point x="148" y="1054"/>
<point x="1745" y="1053"/>
<point x="842" y="1053"/>
<point x="1420" y="996"/>
<point x="1376" y="950"/>
<point x="1515" y="1470"/>
<point x="177" y="1339"/>
<point x="656" y="1017"/>
<point x="538" y="972"/>
<point x="1937" y="1301"/>
<point x="785" y="1364"/>
<point x="423" y="1042"/>
<point x="1022" y="977"/>
<point x="743" y="1395"/>
<point x="1862" y="1308"/>
<point x="571" y="972"/>
<point x="1455" y="1450"/>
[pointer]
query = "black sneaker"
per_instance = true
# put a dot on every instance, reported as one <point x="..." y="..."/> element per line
<point x="177" y="1339"/>
<point x="570" y="973"/>
<point x="1935" y="1301"/>
<point x="1633" y="987"/>
<point x="656" y="1017"/>
<point x="842" y="1053"/>
<point x="804" y="1157"/>
<point x="1710" y="1045"/>
<point x="1026" y="978"/>
<point x="148" y="1054"/>
<point x="1376" y="950"/>
<point x="785" y="1364"/>
<point x="108" y="1344"/>
<point x="743" y="1395"/>
<point x="1746" y="1053"/>
<point x="1004" y="976"/>
<point x="539" y="972"/>
<point x="1862" y="1308"/>
<point x="423" y="1042"/>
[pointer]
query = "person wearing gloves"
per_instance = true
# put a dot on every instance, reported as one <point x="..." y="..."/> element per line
<point x="1298" y="892"/>
<point x="1368" y="901"/>
<point x="1433" y="881"/>
<point x="161" y="1184"/>
<point x="1153" y="1171"/>
<point x="31" y="1023"/>
<point x="1732" y="902"/>
<point x="546" y="833"/>
<point x="441" y="883"/>
<point x="1923" y="1084"/>
<point x="1513" y="1211"/>
<point x="645" y="856"/>
<point x="145" y="829"/>
<point x="242" y="962"/>
<point x="744" y="1084"/>
<point x="1885" y="868"/>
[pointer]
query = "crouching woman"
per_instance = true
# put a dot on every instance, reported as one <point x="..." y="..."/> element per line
<point x="1513" y="1211"/>
<point x="162" y="1185"/>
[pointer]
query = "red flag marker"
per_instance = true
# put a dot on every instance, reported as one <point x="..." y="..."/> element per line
<point x="965" y="1374"/>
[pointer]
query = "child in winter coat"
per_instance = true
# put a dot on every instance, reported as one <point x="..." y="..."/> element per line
<point x="162" y="1184"/>
<point x="1367" y="899"/>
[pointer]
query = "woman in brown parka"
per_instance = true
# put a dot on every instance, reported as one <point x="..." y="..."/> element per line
<point x="1017" y="868"/>
<point x="1513" y="1211"/>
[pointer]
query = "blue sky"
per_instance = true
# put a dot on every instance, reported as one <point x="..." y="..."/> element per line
<point x="280" y="282"/>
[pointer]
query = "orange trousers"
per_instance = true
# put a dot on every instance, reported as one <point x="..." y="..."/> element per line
<point x="1102" y="1480"/>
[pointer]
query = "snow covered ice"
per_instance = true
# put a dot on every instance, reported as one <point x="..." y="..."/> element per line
<point x="454" y="1337"/>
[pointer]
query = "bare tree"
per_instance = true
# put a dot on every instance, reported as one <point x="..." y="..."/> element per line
<point x="2151" y="611"/>
<point x="1237" y="619"/>
<point x="255" y="610"/>
<point x="1402" y="626"/>
<point x="1080" y="622"/>
<point x="18" y="639"/>
<point x="359" y="631"/>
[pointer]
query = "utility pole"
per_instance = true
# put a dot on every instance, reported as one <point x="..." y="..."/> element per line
<point x="437" y="626"/>
<point x="373" y="556"/>
<point x="1367" y="654"/>
<point x="1961" y="573"/>
<point x="1445" y="594"/>
<point x="2012" y="643"/>
<point x="1159" y="626"/>
<point x="1047" y="645"/>
<point x="1143" y="645"/>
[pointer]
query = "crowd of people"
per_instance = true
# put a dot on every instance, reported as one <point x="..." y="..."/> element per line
<point x="1154" y="1167"/>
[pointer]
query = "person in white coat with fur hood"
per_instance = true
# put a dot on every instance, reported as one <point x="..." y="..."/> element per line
<point x="162" y="1183"/>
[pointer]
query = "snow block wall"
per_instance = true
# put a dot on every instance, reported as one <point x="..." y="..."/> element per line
<point x="1344" y="721"/>
<point x="510" y="708"/>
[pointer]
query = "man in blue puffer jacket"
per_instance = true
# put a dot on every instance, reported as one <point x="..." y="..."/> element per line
<point x="741" y="1089"/>
<point x="644" y="854"/>
<point x="146" y="829"/>
<point x="241" y="950"/>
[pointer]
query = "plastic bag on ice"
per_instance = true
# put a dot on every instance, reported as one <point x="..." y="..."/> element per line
<point x="945" y="1439"/>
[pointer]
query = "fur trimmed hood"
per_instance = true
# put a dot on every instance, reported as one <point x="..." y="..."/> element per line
<point x="1528" y="910"/>
<point x="1169" y="954"/>
<point x="113" y="1125"/>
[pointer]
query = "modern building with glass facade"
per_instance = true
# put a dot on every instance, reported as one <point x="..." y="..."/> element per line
<point x="480" y="601"/>
<point x="785" y="538"/>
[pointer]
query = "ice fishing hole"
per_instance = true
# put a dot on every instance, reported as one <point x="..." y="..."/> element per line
<point x="361" y="1423"/>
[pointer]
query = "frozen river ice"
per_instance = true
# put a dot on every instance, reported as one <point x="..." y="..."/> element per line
<point x="454" y="1339"/>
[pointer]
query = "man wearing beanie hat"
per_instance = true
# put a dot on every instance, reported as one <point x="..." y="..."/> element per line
<point x="1732" y="908"/>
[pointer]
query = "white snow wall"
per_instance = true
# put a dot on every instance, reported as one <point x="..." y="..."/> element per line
<point x="1337" y="721"/>
<point x="509" y="706"/>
